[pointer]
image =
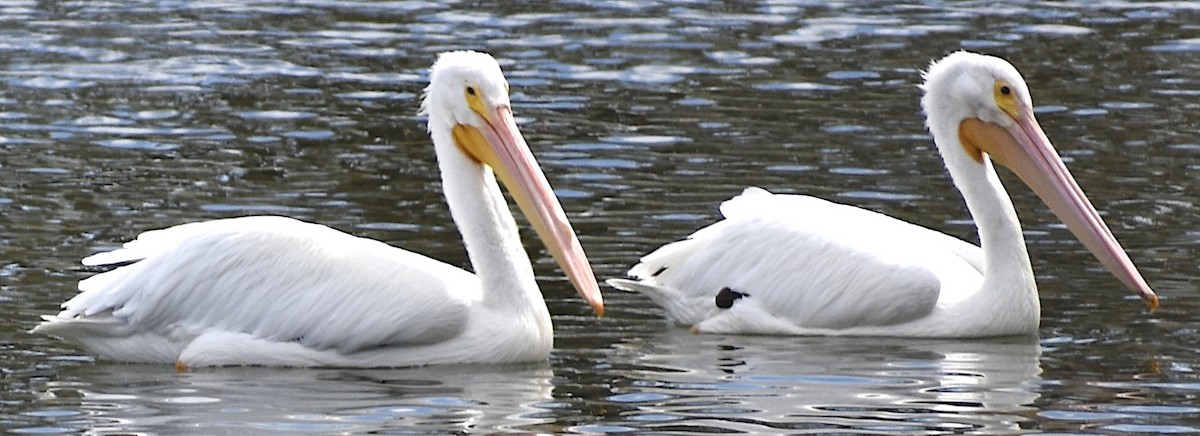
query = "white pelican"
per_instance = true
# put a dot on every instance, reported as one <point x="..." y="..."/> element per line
<point x="798" y="265"/>
<point x="269" y="290"/>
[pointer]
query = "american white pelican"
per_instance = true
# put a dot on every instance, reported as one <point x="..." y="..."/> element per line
<point x="269" y="290"/>
<point x="790" y="264"/>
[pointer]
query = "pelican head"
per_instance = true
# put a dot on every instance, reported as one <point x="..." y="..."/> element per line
<point x="979" y="109"/>
<point x="468" y="96"/>
<point x="462" y="84"/>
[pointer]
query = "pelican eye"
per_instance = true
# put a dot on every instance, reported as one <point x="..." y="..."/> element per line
<point x="1006" y="99"/>
<point x="475" y="101"/>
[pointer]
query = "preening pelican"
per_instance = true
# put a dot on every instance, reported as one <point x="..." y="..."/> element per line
<point x="791" y="264"/>
<point x="269" y="290"/>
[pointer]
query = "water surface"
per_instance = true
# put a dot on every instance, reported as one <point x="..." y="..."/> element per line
<point x="120" y="117"/>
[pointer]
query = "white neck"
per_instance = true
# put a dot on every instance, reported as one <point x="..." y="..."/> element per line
<point x="489" y="233"/>
<point x="1008" y="277"/>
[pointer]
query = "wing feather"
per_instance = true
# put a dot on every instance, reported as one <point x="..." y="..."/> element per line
<point x="815" y="263"/>
<point x="279" y="279"/>
<point x="758" y="202"/>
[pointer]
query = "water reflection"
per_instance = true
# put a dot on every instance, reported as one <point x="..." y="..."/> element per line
<point x="153" y="399"/>
<point x="692" y="383"/>
<point x="671" y="382"/>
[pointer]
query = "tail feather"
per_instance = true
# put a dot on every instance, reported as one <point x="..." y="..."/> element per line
<point x="111" y="338"/>
<point x="81" y="326"/>
<point x="682" y="309"/>
<point x="632" y="286"/>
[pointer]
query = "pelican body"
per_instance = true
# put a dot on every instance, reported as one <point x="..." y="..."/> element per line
<point x="799" y="265"/>
<point x="267" y="290"/>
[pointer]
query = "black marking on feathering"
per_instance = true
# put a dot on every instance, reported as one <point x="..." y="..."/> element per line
<point x="726" y="297"/>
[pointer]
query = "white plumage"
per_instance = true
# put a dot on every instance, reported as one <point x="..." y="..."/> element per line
<point x="268" y="290"/>
<point x="791" y="264"/>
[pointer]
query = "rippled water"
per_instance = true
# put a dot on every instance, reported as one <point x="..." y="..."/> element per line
<point x="117" y="117"/>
